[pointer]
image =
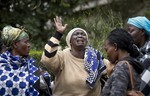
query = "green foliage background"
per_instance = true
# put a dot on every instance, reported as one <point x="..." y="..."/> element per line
<point x="37" y="17"/>
<point x="36" y="54"/>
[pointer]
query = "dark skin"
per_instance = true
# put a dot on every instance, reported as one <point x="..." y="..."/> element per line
<point x="21" y="47"/>
<point x="138" y="35"/>
<point x="3" y="49"/>
<point x="78" y="53"/>
<point x="114" y="54"/>
<point x="78" y="42"/>
<point x="78" y="39"/>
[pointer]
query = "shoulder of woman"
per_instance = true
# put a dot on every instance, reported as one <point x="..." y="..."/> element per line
<point x="122" y="65"/>
<point x="67" y="49"/>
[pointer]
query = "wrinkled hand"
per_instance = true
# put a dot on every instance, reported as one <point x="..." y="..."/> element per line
<point x="58" y="24"/>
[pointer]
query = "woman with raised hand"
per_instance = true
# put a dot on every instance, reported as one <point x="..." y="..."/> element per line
<point x="77" y="68"/>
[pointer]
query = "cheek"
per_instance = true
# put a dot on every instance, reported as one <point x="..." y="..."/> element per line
<point x="136" y="37"/>
<point x="135" y="33"/>
<point x="24" y="50"/>
<point x="112" y="56"/>
<point x="115" y="58"/>
<point x="109" y="53"/>
<point x="86" y="38"/>
<point x="23" y="47"/>
<point x="86" y="41"/>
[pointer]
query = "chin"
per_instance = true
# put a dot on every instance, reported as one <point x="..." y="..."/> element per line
<point x="81" y="45"/>
<point x="111" y="61"/>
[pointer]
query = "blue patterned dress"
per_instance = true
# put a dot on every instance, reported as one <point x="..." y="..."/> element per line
<point x="18" y="76"/>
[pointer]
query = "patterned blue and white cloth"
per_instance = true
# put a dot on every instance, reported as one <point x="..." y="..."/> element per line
<point x="93" y="64"/>
<point x="17" y="76"/>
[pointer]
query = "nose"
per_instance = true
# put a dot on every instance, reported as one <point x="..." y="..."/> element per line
<point x="80" y="35"/>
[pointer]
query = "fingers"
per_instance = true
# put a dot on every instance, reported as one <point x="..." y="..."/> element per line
<point x="58" y="24"/>
<point x="58" y="20"/>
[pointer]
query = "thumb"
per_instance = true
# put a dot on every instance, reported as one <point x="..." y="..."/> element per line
<point x="65" y="25"/>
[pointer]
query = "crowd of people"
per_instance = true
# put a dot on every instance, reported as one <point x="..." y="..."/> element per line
<point x="79" y="68"/>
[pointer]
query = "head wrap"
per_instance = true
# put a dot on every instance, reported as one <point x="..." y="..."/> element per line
<point x="10" y="34"/>
<point x="68" y="37"/>
<point x="140" y="22"/>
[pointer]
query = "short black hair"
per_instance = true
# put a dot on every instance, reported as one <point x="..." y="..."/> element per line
<point x="124" y="41"/>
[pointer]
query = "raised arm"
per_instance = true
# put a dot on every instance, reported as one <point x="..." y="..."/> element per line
<point x="51" y="58"/>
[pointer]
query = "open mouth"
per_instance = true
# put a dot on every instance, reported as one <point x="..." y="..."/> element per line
<point x="80" y="40"/>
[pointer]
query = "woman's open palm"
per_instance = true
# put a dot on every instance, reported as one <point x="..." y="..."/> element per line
<point x="58" y="24"/>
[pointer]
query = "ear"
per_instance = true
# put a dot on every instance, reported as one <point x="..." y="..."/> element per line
<point x="116" y="46"/>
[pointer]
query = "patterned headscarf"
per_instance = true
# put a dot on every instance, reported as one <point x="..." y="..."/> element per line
<point x="68" y="37"/>
<point x="140" y="22"/>
<point x="10" y="34"/>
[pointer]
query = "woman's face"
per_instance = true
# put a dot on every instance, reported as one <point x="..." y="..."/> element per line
<point x="111" y="51"/>
<point x="22" y="47"/>
<point x="78" y="39"/>
<point x="135" y="32"/>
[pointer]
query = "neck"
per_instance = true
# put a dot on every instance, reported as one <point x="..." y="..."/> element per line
<point x="142" y="42"/>
<point x="14" y="53"/>
<point x="78" y="53"/>
<point x="123" y="54"/>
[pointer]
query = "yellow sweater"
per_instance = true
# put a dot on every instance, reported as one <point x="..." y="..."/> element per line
<point x="69" y="71"/>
